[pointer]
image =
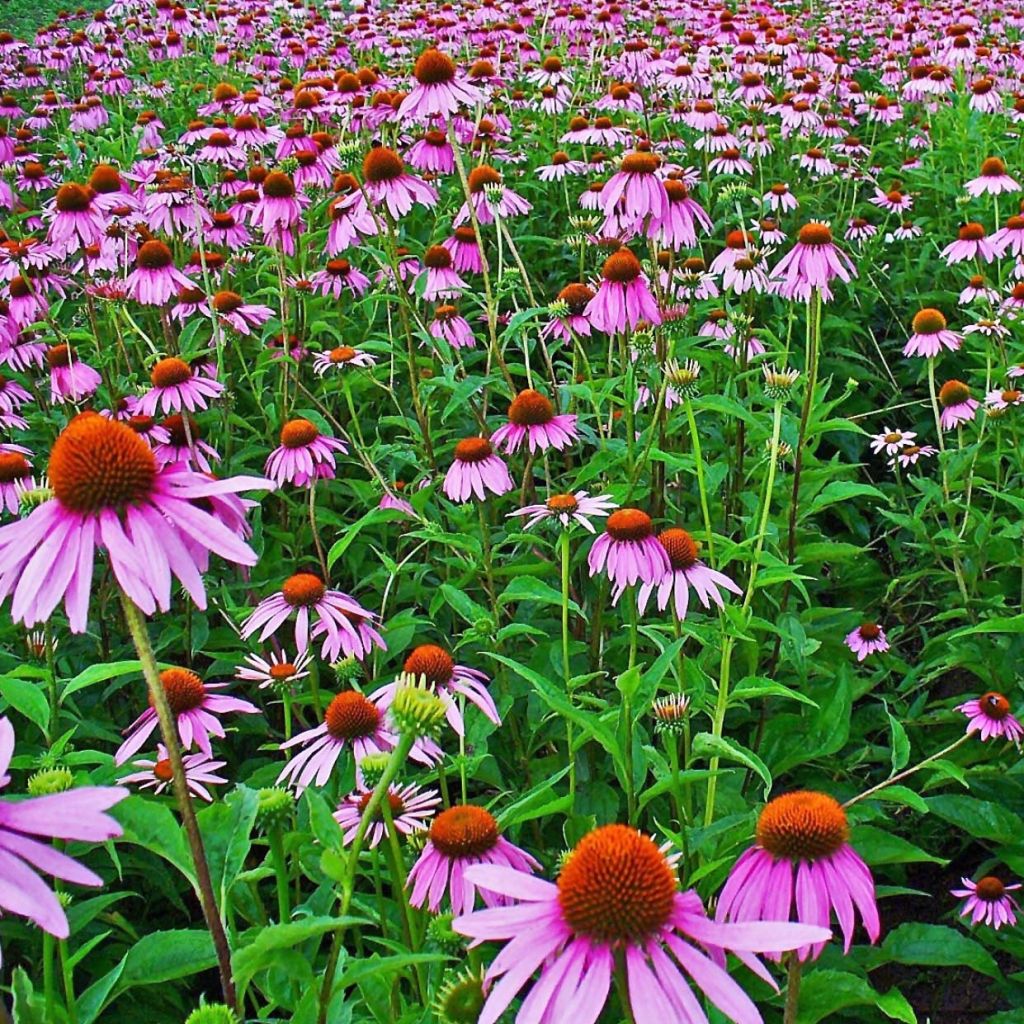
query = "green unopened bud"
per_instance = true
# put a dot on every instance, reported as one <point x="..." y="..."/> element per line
<point x="460" y="999"/>
<point x="416" y="709"/>
<point x="441" y="933"/>
<point x="348" y="670"/>
<point x="274" y="809"/>
<point x="212" y="1013"/>
<point x="50" y="781"/>
<point x="779" y="383"/>
<point x="65" y="899"/>
<point x="30" y="498"/>
<point x="670" y="713"/>
<point x="373" y="766"/>
<point x="289" y="165"/>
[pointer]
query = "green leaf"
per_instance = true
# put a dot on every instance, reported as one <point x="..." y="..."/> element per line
<point x="100" y="674"/>
<point x="29" y="1008"/>
<point x="529" y="588"/>
<point x="881" y="846"/>
<point x="900" y="753"/>
<point x="979" y="818"/>
<point x="842" y="490"/>
<point x="259" y="945"/>
<point x="628" y="683"/>
<point x="757" y="686"/>
<point x="705" y="744"/>
<point x="368" y="966"/>
<point x="27" y="698"/>
<point x="226" y="828"/>
<point x="825" y="992"/>
<point x="152" y="826"/>
<point x="934" y="945"/>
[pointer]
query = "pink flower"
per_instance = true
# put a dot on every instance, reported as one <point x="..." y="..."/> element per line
<point x="71" y="380"/>
<point x="866" y="639"/>
<point x="532" y="419"/>
<point x="812" y="264"/>
<point x="989" y="716"/>
<point x="195" y="705"/>
<point x="568" y="509"/>
<point x="438" y="92"/>
<point x="389" y="184"/>
<point x="988" y="901"/>
<point x="970" y="244"/>
<point x="635" y="200"/>
<point x="304" y="456"/>
<point x="629" y="551"/>
<point x="349" y="720"/>
<point x="434" y="668"/>
<point x="460" y="837"/>
<point x="957" y="405"/>
<point x="452" y="327"/>
<point x="175" y="387"/>
<point x="686" y="571"/>
<point x="111" y="492"/>
<point x="476" y="470"/>
<point x="77" y="814"/>
<point x="803" y="850"/>
<point x="341" y="357"/>
<point x="279" y="671"/>
<point x="345" y="625"/>
<point x="243" y="317"/>
<point x="411" y="809"/>
<point x="200" y="772"/>
<point x="624" y="298"/>
<point x="993" y="180"/>
<point x="155" y="279"/>
<point x="442" y="282"/>
<point x="77" y="222"/>
<point x="616" y="902"/>
<point x="491" y="198"/>
<point x="338" y="277"/>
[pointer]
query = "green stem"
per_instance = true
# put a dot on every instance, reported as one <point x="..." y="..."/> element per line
<point x="563" y="545"/>
<point x="168" y="731"/>
<point x="49" y="983"/>
<point x="276" y="841"/>
<point x="907" y="772"/>
<point x="792" y="989"/>
<point x="701" y="486"/>
<point x="66" y="977"/>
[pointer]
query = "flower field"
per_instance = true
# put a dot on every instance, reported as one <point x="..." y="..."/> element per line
<point x="511" y="513"/>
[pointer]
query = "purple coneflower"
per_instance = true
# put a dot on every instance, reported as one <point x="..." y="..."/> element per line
<point x="200" y="772"/>
<point x="460" y="837"/>
<point x="634" y="199"/>
<point x="110" y="491"/>
<point x="931" y="335"/>
<point x="195" y="706"/>
<point x="304" y="455"/>
<point x="411" y="809"/>
<point x="532" y="418"/>
<point x="388" y="183"/>
<point x="802" y="850"/>
<point x="616" y="906"/>
<point x="811" y="264"/>
<point x="624" y="298"/>
<point x="337" y="277"/>
<point x="155" y="279"/>
<point x="957" y="405"/>
<point x="993" y="180"/>
<point x="568" y="509"/>
<point x="347" y="627"/>
<point x="891" y="441"/>
<point x="988" y="901"/>
<point x="233" y="310"/>
<point x="77" y="221"/>
<point x="442" y="282"/>
<point x="868" y="638"/>
<point x="71" y="380"/>
<point x="686" y="571"/>
<point x="176" y="387"/>
<point x="475" y="470"/>
<point x="970" y="244"/>
<point x="26" y="828"/>
<point x="341" y="357"/>
<point x="910" y="455"/>
<point x="989" y="716"/>
<point x="278" y="671"/>
<point x="438" y="91"/>
<point x="629" y="551"/>
<point x="15" y="475"/>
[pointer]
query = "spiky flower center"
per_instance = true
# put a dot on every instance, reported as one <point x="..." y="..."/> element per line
<point x="802" y="826"/>
<point x="990" y="889"/>
<point x="282" y="670"/>
<point x="870" y="631"/>
<point x="563" y="504"/>
<point x="105" y="179"/>
<point x="298" y="433"/>
<point x="682" y="550"/>
<point x="394" y="802"/>
<point x="815" y="233"/>
<point x="621" y="267"/>
<point x="437" y="257"/>
<point x="576" y="296"/>
<point x="303" y="589"/>
<point x="73" y="198"/>
<point x="433" y="68"/>
<point x="162" y="770"/>
<point x="153" y="255"/>
<point x="929" y="321"/>
<point x="432" y="663"/>
<point x="99" y="464"/>
<point x="993" y="167"/>
<point x="351" y="716"/>
<point x="464" y="831"/>
<point x="342" y="354"/>
<point x="1010" y="396"/>
<point x="473" y="449"/>
<point x="278" y="185"/>
<point x="953" y="392"/>
<point x="168" y="372"/>
<point x="972" y="232"/>
<point x="617" y="886"/>
<point x="481" y="176"/>
<point x="184" y="689"/>
<point x="994" y="705"/>
<point x="382" y="164"/>
<point x="640" y="163"/>
<point x="626" y="524"/>
<point x="13" y="466"/>
<point x="530" y="408"/>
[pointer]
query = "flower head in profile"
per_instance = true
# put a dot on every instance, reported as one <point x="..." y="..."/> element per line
<point x="200" y="772"/>
<point x="389" y="184"/>
<point x="624" y="298"/>
<point x="989" y="716"/>
<point x="532" y="419"/>
<point x="988" y="901"/>
<point x="802" y="862"/>
<point x="476" y="470"/>
<point x="438" y="92"/>
<point x="958" y="407"/>
<point x="567" y="509"/>
<point x="629" y="551"/>
<point x="931" y="335"/>
<point x="304" y="455"/>
<point x="175" y="387"/>
<point x="195" y="705"/>
<point x="867" y="638"/>
<point x="109" y="491"/>
<point x="993" y="179"/>
<point x="26" y="851"/>
<point x="616" y="902"/>
<point x="341" y="358"/>
<point x="686" y="572"/>
<point x="812" y="264"/>
<point x="411" y="808"/>
<point x="459" y="837"/>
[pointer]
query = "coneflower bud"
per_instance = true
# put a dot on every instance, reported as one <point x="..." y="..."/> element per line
<point x="212" y="1013"/>
<point x="778" y="383"/>
<point x="441" y="933"/>
<point x="670" y="713"/>
<point x="50" y="781"/>
<point x="460" y="1000"/>
<point x="683" y="377"/>
<point x="373" y="767"/>
<point x="348" y="670"/>
<point x="416" y="709"/>
<point x="274" y="808"/>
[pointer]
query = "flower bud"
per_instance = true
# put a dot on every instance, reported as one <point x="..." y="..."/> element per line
<point x="274" y="809"/>
<point x="416" y="709"/>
